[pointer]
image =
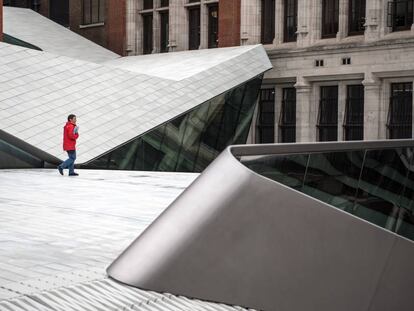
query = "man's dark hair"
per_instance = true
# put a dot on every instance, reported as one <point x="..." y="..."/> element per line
<point x="71" y="116"/>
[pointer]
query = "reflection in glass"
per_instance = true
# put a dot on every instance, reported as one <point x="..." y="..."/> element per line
<point x="375" y="185"/>
<point x="190" y="142"/>
<point x="13" y="157"/>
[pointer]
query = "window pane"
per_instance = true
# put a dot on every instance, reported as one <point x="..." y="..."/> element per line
<point x="164" y="31"/>
<point x="356" y="16"/>
<point x="87" y="11"/>
<point x="330" y="18"/>
<point x="354" y="113"/>
<point x="287" y="120"/>
<point x="147" y="31"/>
<point x="291" y="10"/>
<point x="328" y="114"/>
<point x="266" y="117"/>
<point x="194" y="28"/>
<point x="213" y="26"/>
<point x="400" y="111"/>
<point x="333" y="177"/>
<point x="268" y="21"/>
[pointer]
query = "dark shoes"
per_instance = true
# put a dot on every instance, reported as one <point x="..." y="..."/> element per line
<point x="60" y="170"/>
<point x="74" y="174"/>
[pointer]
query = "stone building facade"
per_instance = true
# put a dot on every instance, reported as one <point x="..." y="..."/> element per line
<point x="101" y="21"/>
<point x="345" y="72"/>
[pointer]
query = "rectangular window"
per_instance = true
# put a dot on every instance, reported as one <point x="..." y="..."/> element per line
<point x="268" y="21"/>
<point x="164" y="31"/>
<point x="193" y="28"/>
<point x="93" y="11"/>
<point x="356" y="17"/>
<point x="330" y="18"/>
<point x="266" y="117"/>
<point x="147" y="34"/>
<point x="148" y="4"/>
<point x="287" y="119"/>
<point x="165" y="3"/>
<point x="59" y="11"/>
<point x="400" y="14"/>
<point x="400" y="113"/>
<point x="354" y="113"/>
<point x="291" y="20"/>
<point x="213" y="26"/>
<point x="328" y="114"/>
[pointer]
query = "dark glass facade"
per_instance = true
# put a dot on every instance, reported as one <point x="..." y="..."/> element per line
<point x="194" y="28"/>
<point x="190" y="142"/>
<point x="356" y="17"/>
<point x="268" y="21"/>
<point x="213" y="26"/>
<point x="287" y="120"/>
<point x="266" y="117"/>
<point x="147" y="31"/>
<point x="164" y="37"/>
<point x="330" y="18"/>
<point x="375" y="185"/>
<point x="13" y="157"/>
<point x="290" y="20"/>
<point x="400" y="14"/>
<point x="93" y="11"/>
<point x="354" y="113"/>
<point x="328" y="114"/>
<point x="400" y="113"/>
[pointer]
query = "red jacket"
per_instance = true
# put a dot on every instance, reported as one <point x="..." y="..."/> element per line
<point x="69" y="138"/>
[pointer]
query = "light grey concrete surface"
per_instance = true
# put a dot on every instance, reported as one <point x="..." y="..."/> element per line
<point x="73" y="227"/>
<point x="29" y="26"/>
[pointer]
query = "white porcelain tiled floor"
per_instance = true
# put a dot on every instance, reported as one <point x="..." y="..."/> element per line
<point x="52" y="225"/>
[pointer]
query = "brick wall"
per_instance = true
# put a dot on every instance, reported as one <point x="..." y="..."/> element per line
<point x="112" y="34"/>
<point x="115" y="26"/>
<point x="1" y="20"/>
<point x="229" y="23"/>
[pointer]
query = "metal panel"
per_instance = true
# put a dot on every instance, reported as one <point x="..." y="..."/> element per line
<point x="236" y="237"/>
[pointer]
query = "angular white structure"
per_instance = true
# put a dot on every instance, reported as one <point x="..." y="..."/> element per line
<point x="33" y="28"/>
<point x="115" y="106"/>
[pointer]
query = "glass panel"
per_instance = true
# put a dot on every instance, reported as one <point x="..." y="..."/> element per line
<point x="87" y="12"/>
<point x="213" y="26"/>
<point x="13" y="157"/>
<point x="354" y="113"/>
<point x="400" y="111"/>
<point x="190" y="142"/>
<point x="286" y="169"/>
<point x="381" y="185"/>
<point x="356" y="16"/>
<point x="148" y="4"/>
<point x="375" y="185"/>
<point x="147" y="31"/>
<point x="328" y="114"/>
<point x="330" y="18"/>
<point x="287" y="120"/>
<point x="333" y="177"/>
<point x="403" y="14"/>
<point x="291" y="12"/>
<point x="268" y="21"/>
<point x="266" y="117"/>
<point x="164" y="31"/>
<point x="165" y="3"/>
<point x="194" y="28"/>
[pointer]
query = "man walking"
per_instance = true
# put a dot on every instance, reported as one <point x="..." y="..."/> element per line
<point x="70" y="135"/>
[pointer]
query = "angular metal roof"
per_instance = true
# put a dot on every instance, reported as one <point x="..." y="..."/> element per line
<point x="29" y="26"/>
<point x="39" y="89"/>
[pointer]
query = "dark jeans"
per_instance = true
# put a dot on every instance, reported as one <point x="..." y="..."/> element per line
<point x="70" y="163"/>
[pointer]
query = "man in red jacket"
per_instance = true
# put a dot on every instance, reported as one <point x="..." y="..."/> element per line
<point x="70" y="135"/>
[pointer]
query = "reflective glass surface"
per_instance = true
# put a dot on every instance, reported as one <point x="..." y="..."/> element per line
<point x="375" y="185"/>
<point x="13" y="157"/>
<point x="190" y="142"/>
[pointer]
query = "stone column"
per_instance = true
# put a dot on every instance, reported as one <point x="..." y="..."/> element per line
<point x="203" y="26"/>
<point x="343" y="19"/>
<point x="304" y="25"/>
<point x="315" y="20"/>
<point x="374" y="15"/>
<point x="250" y="27"/>
<point x="304" y="128"/>
<point x="156" y="30"/>
<point x="372" y="108"/>
<point x="131" y="27"/>
<point x="178" y="33"/>
<point x="279" y="20"/>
